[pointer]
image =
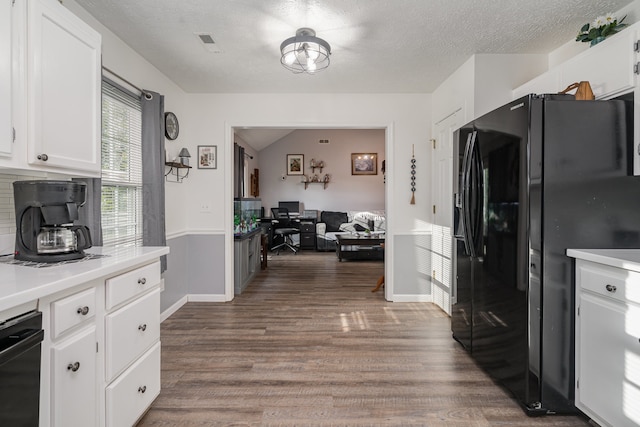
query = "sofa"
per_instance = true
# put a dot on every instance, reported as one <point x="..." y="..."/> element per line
<point x="333" y="223"/>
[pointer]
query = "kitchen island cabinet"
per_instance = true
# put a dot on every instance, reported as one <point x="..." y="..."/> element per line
<point x="247" y="259"/>
<point x="608" y="335"/>
<point x="101" y="317"/>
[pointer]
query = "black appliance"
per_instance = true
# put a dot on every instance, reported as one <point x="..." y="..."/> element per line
<point x="20" y="341"/>
<point x="537" y="176"/>
<point x="45" y="216"/>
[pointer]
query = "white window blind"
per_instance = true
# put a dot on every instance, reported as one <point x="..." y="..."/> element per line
<point x="121" y="168"/>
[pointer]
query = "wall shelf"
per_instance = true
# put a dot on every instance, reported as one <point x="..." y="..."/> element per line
<point x="175" y="169"/>
<point x="324" y="184"/>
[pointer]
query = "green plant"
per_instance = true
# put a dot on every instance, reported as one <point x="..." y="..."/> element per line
<point x="602" y="26"/>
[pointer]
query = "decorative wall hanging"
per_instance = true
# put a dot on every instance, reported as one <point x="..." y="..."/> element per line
<point x="364" y="164"/>
<point x="413" y="176"/>
<point x="207" y="156"/>
<point x="295" y="164"/>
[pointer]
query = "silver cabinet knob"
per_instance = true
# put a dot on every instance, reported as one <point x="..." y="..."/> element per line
<point x="73" y="367"/>
<point x="43" y="157"/>
<point x="142" y="281"/>
<point x="83" y="310"/>
<point x="142" y="327"/>
<point x="611" y="288"/>
<point x="142" y="389"/>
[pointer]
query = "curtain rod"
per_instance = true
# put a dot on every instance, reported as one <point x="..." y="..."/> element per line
<point x="145" y="93"/>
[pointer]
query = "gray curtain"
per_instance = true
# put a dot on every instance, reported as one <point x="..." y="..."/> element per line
<point x="90" y="214"/>
<point x="238" y="171"/>
<point x="153" y="172"/>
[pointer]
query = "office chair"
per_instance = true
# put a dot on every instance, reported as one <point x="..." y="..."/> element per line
<point x="283" y="226"/>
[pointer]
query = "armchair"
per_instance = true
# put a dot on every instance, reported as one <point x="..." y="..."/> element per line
<point x="327" y="229"/>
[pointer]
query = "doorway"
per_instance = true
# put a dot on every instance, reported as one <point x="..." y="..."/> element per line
<point x="327" y="197"/>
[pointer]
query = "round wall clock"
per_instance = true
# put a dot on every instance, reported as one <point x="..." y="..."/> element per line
<point x="171" y="126"/>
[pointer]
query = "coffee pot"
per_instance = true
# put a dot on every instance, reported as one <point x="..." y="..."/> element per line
<point x="46" y="212"/>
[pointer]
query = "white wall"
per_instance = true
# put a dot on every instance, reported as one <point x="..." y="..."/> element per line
<point x="345" y="191"/>
<point x="124" y="61"/>
<point x="407" y="116"/>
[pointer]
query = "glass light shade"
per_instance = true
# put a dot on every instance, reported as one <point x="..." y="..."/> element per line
<point x="305" y="53"/>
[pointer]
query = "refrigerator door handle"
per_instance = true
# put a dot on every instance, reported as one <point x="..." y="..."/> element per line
<point x="466" y="194"/>
<point x="478" y="189"/>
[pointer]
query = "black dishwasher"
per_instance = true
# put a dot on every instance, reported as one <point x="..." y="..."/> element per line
<point x="20" y="340"/>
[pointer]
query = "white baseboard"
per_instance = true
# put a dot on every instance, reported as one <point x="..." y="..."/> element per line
<point x="206" y="298"/>
<point x="175" y="307"/>
<point x="190" y="298"/>
<point x="412" y="298"/>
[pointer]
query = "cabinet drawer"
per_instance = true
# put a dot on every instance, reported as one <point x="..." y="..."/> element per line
<point x="307" y="228"/>
<point x="73" y="371"/>
<point x="130" y="331"/>
<point x="73" y="310"/>
<point x="128" y="397"/>
<point x="621" y="285"/>
<point x="128" y="285"/>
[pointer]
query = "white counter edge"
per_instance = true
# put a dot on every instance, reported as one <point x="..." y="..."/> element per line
<point x="50" y="280"/>
<point x="628" y="259"/>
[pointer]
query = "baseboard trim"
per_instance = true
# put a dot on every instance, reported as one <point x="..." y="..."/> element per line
<point x="206" y="298"/>
<point x="412" y="298"/>
<point x="175" y="307"/>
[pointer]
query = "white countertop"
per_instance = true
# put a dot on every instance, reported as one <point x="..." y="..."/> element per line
<point x="20" y="284"/>
<point x="629" y="259"/>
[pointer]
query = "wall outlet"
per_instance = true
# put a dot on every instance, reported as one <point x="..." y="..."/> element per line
<point x="205" y="207"/>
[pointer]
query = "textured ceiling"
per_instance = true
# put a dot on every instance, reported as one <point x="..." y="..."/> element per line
<point x="378" y="46"/>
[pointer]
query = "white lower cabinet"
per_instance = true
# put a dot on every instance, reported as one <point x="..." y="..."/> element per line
<point x="129" y="396"/>
<point x="73" y="369"/>
<point x="101" y="352"/>
<point x="130" y="331"/>
<point x="608" y="344"/>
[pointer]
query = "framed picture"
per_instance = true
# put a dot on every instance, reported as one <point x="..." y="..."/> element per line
<point x="207" y="157"/>
<point x="295" y="164"/>
<point x="364" y="163"/>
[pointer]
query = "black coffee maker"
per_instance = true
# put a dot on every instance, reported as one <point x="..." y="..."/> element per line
<point x="45" y="215"/>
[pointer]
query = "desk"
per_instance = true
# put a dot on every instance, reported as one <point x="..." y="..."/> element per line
<point x="351" y="246"/>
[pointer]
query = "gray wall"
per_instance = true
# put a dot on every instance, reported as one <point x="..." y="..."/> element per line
<point x="195" y="265"/>
<point x="412" y="274"/>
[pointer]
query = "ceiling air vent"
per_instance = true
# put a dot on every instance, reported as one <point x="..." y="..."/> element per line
<point x="323" y="141"/>
<point x="208" y="42"/>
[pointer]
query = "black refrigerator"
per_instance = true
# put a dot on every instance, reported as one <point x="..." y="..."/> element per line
<point x="537" y="176"/>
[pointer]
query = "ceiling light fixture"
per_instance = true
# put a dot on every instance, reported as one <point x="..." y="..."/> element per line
<point x="305" y="53"/>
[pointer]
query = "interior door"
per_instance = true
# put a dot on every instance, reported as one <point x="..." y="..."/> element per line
<point x="442" y="189"/>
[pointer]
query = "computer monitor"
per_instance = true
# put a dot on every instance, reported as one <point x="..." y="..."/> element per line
<point x="292" y="207"/>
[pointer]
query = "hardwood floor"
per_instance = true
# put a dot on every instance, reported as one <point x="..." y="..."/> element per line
<point x="309" y="344"/>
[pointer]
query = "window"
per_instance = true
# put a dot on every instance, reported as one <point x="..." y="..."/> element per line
<point x="121" y="167"/>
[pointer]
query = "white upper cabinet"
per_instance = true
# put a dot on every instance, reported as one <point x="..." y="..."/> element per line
<point x="548" y="82"/>
<point x="63" y="90"/>
<point x="6" y="124"/>
<point x="608" y="66"/>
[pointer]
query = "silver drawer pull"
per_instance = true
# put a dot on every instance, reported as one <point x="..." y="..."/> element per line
<point x="142" y="389"/>
<point x="611" y="288"/>
<point x="142" y="327"/>
<point x="73" y="367"/>
<point x="142" y="281"/>
<point x="83" y="310"/>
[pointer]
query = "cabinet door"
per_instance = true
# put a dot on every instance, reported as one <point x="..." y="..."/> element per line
<point x="608" y="66"/>
<point x="74" y="390"/>
<point x="608" y="357"/>
<point x="64" y="84"/>
<point x="6" y="127"/>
